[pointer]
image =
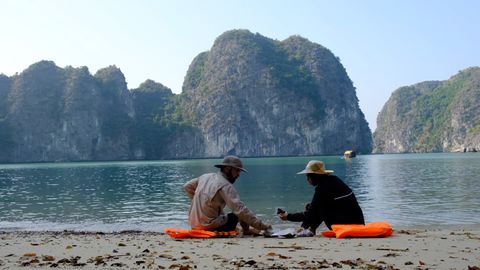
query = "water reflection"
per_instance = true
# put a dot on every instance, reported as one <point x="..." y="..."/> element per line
<point x="402" y="189"/>
<point x="423" y="189"/>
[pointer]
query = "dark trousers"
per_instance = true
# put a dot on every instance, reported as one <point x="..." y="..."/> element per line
<point x="313" y="225"/>
<point x="231" y="225"/>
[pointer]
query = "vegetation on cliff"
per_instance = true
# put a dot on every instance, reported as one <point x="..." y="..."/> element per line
<point x="254" y="96"/>
<point x="432" y="116"/>
<point x="157" y="123"/>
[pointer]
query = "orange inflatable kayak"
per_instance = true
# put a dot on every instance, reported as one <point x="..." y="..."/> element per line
<point x="183" y="233"/>
<point x="372" y="229"/>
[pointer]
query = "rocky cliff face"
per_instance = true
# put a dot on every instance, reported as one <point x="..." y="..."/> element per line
<point x="59" y="114"/>
<point x="440" y="116"/>
<point x="253" y="96"/>
<point x="6" y="144"/>
<point x="249" y="96"/>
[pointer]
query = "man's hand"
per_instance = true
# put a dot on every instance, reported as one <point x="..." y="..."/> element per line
<point x="307" y="206"/>
<point x="268" y="231"/>
<point x="283" y="216"/>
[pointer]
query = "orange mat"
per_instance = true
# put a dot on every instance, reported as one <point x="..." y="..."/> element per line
<point x="184" y="233"/>
<point x="372" y="229"/>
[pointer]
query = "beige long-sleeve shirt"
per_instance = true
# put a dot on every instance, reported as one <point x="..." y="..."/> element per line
<point x="210" y="193"/>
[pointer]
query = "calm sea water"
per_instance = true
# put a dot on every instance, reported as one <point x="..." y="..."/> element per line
<point x="403" y="189"/>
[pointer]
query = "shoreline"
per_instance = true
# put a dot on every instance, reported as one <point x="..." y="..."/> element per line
<point x="410" y="247"/>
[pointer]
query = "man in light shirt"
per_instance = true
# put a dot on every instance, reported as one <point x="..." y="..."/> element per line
<point x="211" y="192"/>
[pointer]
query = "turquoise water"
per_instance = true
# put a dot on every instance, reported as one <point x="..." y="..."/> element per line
<point x="404" y="189"/>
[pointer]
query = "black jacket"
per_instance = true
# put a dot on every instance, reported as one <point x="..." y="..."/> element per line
<point x="333" y="203"/>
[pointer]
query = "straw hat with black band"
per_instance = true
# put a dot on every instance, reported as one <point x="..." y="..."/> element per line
<point x="231" y="161"/>
<point x="315" y="167"/>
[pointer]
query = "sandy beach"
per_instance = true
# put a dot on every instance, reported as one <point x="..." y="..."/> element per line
<point x="456" y="247"/>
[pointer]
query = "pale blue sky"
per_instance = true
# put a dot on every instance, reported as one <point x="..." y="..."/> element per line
<point x="383" y="45"/>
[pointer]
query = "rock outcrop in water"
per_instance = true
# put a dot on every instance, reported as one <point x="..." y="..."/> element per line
<point x="435" y="116"/>
<point x="66" y="114"/>
<point x="249" y="96"/>
<point x="254" y="96"/>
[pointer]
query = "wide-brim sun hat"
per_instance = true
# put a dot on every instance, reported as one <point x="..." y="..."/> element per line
<point x="231" y="161"/>
<point x="316" y="167"/>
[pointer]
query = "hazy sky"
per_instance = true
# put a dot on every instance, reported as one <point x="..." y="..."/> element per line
<point x="382" y="44"/>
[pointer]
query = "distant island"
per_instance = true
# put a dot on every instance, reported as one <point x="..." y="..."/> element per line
<point x="432" y="116"/>
<point x="249" y="95"/>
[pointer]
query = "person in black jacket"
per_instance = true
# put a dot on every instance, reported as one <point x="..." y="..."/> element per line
<point x="333" y="202"/>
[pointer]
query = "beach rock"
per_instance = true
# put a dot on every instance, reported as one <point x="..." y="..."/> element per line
<point x="48" y="258"/>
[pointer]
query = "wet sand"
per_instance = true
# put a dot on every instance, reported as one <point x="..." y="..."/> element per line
<point x="454" y="247"/>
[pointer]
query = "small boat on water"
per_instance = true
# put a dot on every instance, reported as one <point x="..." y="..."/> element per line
<point x="349" y="154"/>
